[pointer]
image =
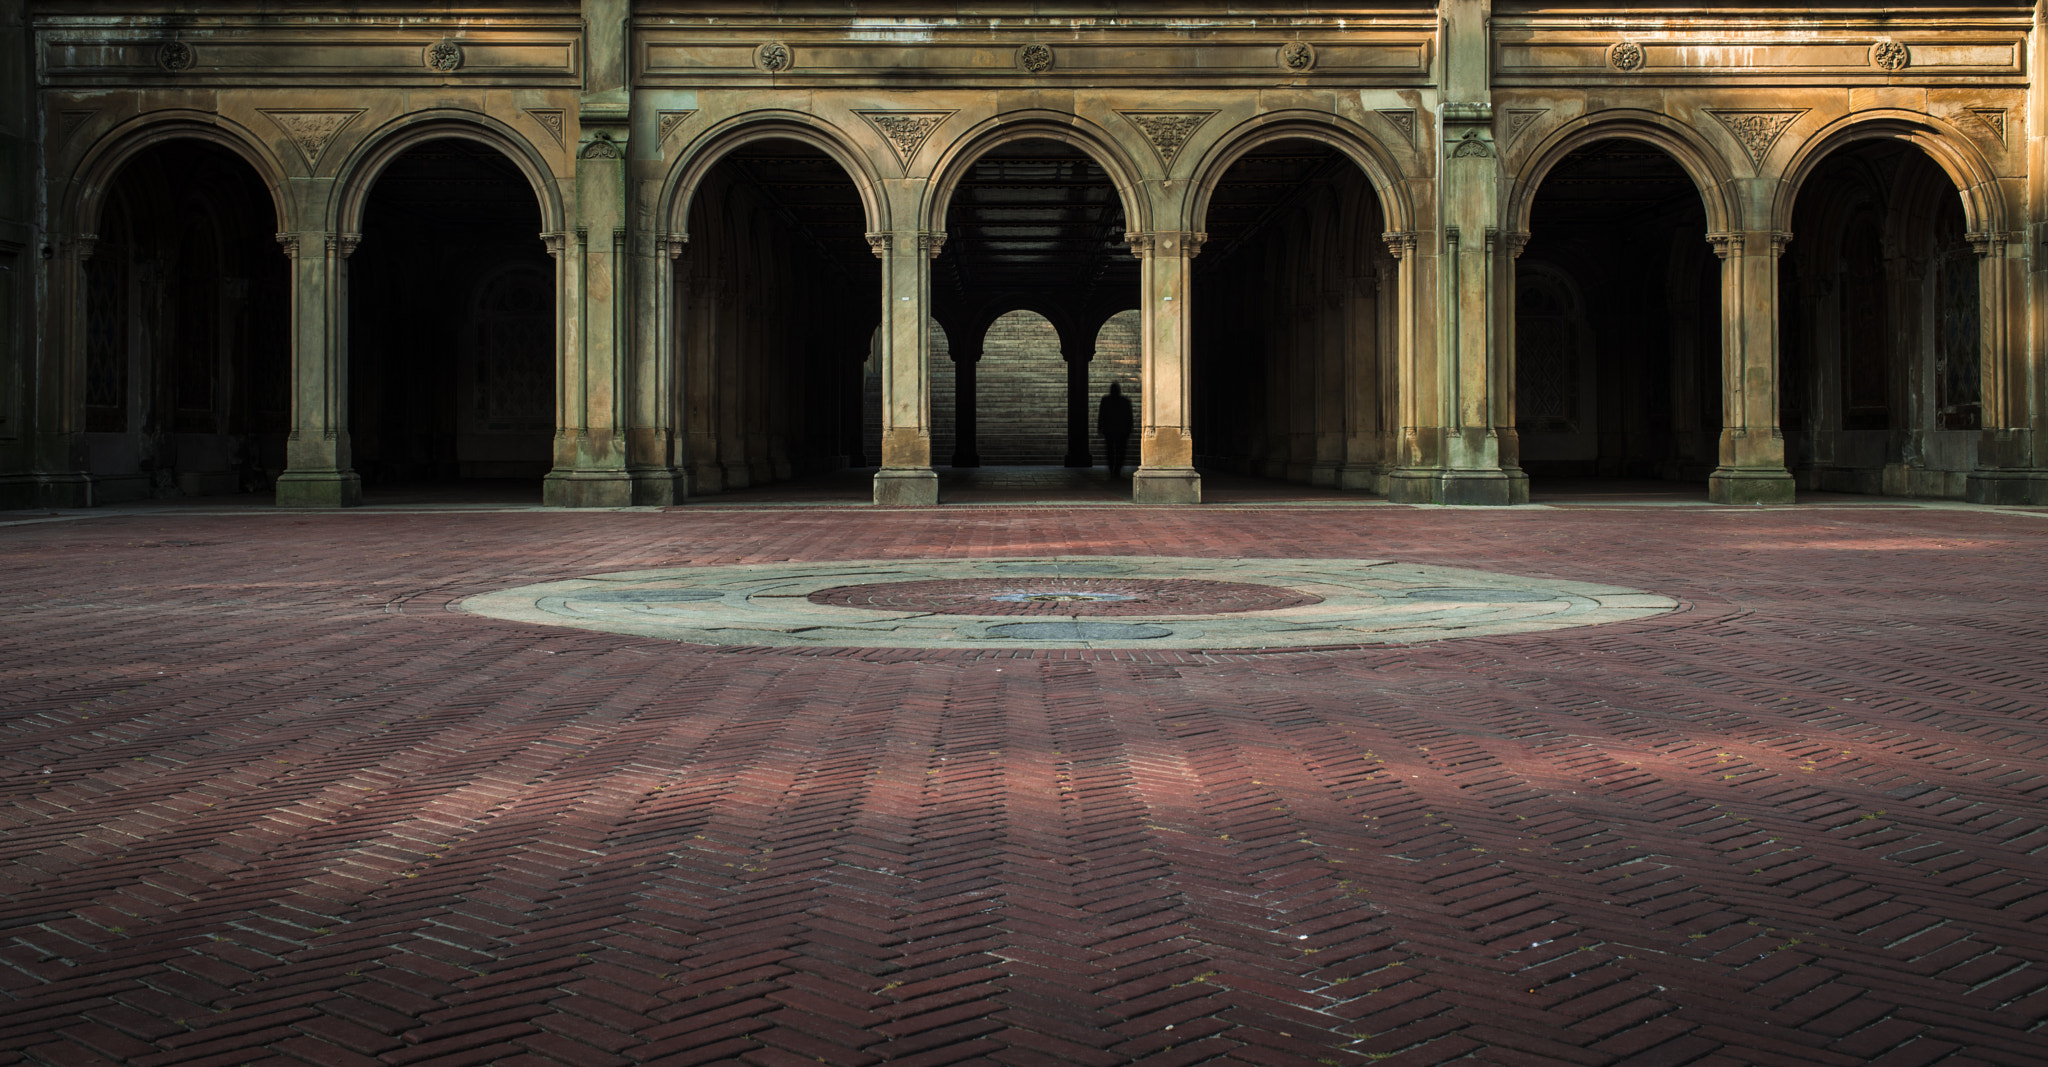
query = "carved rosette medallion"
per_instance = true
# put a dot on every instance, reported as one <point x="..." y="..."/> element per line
<point x="1889" y="55"/>
<point x="312" y="131"/>
<point x="904" y="130"/>
<point x="1298" y="57"/>
<point x="1473" y="145"/>
<point x="669" y="121"/>
<point x="444" y="55"/>
<point x="1035" y="58"/>
<point x="1626" y="56"/>
<point x="774" y="57"/>
<point x="1168" y="131"/>
<point x="1757" y="130"/>
<point x="175" y="56"/>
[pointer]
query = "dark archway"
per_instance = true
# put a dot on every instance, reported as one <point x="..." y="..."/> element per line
<point x="1618" y="322"/>
<point x="187" y="375"/>
<point x="452" y="324"/>
<point x="1035" y="259"/>
<point x="1880" y="327"/>
<point x="777" y="298"/>
<point x="1289" y="375"/>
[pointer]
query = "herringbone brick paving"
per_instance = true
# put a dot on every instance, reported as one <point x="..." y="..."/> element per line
<point x="267" y="801"/>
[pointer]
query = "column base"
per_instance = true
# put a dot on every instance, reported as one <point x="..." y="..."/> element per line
<point x="319" y="489"/>
<point x="587" y="489"/>
<point x="69" y="490"/>
<point x="1365" y="479"/>
<point x="659" y="487"/>
<point x="2007" y="487"/>
<point x="1468" y="488"/>
<point x="906" y="487"/>
<point x="1166" y="485"/>
<point x="1734" y="485"/>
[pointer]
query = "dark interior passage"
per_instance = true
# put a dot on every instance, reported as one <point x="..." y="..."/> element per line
<point x="452" y="322"/>
<point x="1035" y="264"/>
<point x="187" y="354"/>
<point x="1880" y="328"/>
<point x="778" y="296"/>
<point x="1289" y="302"/>
<point x="1618" y="321"/>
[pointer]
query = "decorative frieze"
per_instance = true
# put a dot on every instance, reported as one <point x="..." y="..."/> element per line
<point x="312" y="131"/>
<point x="905" y="131"/>
<point x="1167" y="131"/>
<point x="1757" y="131"/>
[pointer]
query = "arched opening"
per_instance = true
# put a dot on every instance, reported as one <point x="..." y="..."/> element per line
<point x="778" y="297"/>
<point x="1880" y="327"/>
<point x="1617" y="322"/>
<point x="1032" y="223"/>
<point x="187" y="347"/>
<point x="452" y="327"/>
<point x="1290" y="380"/>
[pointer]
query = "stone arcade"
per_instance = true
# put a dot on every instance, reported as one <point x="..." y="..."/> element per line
<point x="646" y="249"/>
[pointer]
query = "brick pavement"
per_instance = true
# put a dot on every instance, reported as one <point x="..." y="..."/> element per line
<point x="267" y="801"/>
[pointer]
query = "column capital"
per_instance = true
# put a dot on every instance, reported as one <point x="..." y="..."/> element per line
<point x="83" y="245"/>
<point x="931" y="243"/>
<point x="343" y="245"/>
<point x="1989" y="242"/>
<point x="554" y="242"/>
<point x="1401" y="242"/>
<point x="1516" y="241"/>
<point x="1166" y="242"/>
<point x="1750" y="242"/>
<point x="671" y="244"/>
<point x="878" y="243"/>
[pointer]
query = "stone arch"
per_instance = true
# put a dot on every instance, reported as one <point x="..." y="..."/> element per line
<point x="958" y="157"/>
<point x="709" y="148"/>
<point x="1363" y="149"/>
<point x="1707" y="167"/>
<point x="358" y="174"/>
<point x="1984" y="209"/>
<point x="102" y="162"/>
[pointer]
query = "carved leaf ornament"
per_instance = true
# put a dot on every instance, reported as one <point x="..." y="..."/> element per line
<point x="1168" y="132"/>
<point x="1035" y="58"/>
<point x="905" y="130"/>
<point x="1626" y="56"/>
<point x="774" y="57"/>
<point x="1889" y="55"/>
<point x="175" y="56"/>
<point x="312" y="131"/>
<point x="1298" y="56"/>
<point x="1757" y="130"/>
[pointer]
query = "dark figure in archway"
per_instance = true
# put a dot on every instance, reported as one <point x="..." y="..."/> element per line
<point x="1113" y="422"/>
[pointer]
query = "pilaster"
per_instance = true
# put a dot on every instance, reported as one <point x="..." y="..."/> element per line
<point x="906" y="476"/>
<point x="1752" y="464"/>
<point x="1166" y="448"/>
<point x="319" y="465"/>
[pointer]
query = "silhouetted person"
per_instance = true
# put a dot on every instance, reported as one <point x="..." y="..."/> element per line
<point x="1113" y="422"/>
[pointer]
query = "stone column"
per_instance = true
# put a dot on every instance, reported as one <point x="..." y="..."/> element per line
<point x="906" y="476"/>
<point x="56" y="469"/>
<point x="1416" y="443"/>
<point x="702" y="304"/>
<point x="590" y="454"/>
<point x="1752" y="467"/>
<point x="2008" y="471"/>
<point x="966" y="355"/>
<point x="1364" y="400"/>
<point x="1508" y="436"/>
<point x="1078" y="354"/>
<point x="319" y="468"/>
<point x="1166" y="448"/>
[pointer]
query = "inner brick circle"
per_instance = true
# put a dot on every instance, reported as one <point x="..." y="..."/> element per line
<point x="1063" y="596"/>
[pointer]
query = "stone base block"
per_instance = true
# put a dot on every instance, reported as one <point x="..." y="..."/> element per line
<point x="46" y="491"/>
<point x="1469" y="488"/>
<point x="659" y="488"/>
<point x="587" y="489"/>
<point x="1166" y="485"/>
<point x="2007" y="487"/>
<point x="906" y="487"/>
<point x="1362" y="479"/>
<point x="319" y="489"/>
<point x="1734" y="486"/>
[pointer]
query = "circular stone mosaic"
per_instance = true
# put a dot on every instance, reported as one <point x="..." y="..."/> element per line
<point x="1155" y="602"/>
<point x="1080" y="597"/>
